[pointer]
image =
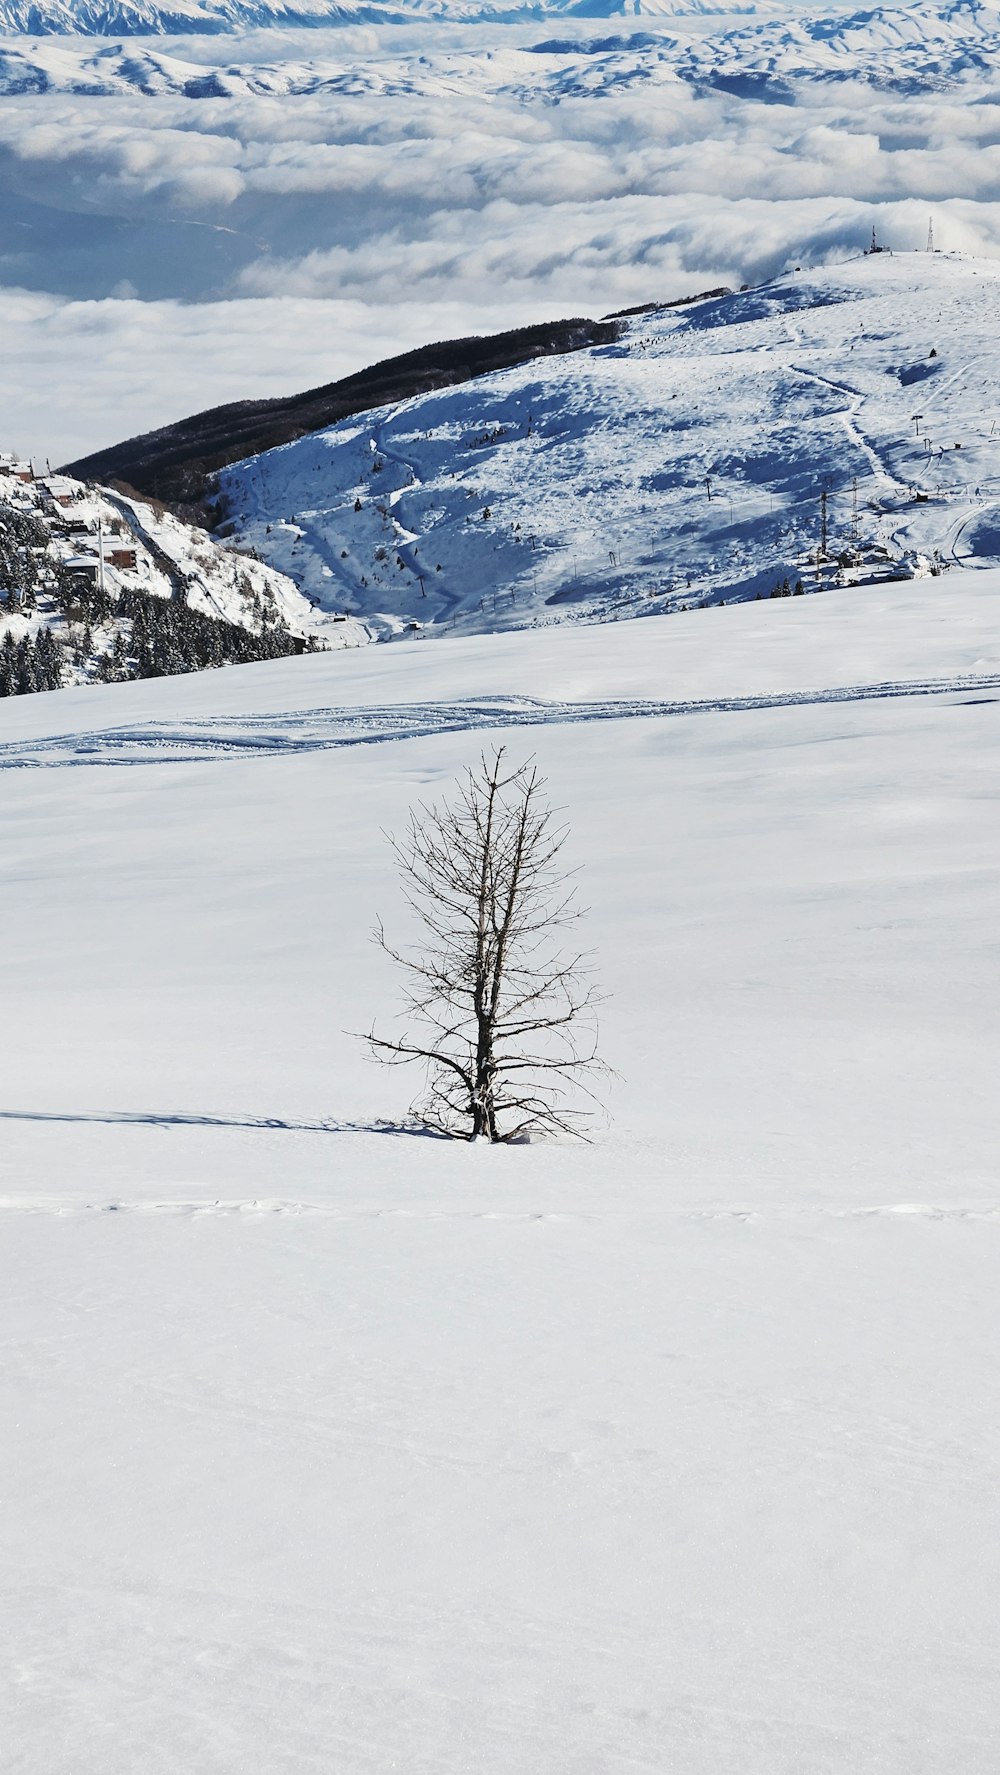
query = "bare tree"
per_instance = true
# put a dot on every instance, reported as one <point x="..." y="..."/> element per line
<point x="501" y="1016"/>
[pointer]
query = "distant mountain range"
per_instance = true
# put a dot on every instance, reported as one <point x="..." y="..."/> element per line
<point x="134" y="18"/>
<point x="923" y="46"/>
<point x="137" y="18"/>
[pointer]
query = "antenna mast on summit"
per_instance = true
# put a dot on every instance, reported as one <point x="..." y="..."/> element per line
<point x="930" y="234"/>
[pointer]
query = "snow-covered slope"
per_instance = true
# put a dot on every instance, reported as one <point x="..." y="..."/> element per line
<point x="843" y="40"/>
<point x="330" y="1448"/>
<point x="685" y="465"/>
<point x="103" y="18"/>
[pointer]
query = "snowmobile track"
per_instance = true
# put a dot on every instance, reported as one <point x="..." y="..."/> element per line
<point x="327" y="729"/>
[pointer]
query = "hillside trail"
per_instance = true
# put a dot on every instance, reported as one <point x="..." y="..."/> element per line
<point x="898" y="537"/>
<point x="850" y="418"/>
<point x="407" y="540"/>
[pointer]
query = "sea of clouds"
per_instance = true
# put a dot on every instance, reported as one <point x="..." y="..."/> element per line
<point x="187" y="221"/>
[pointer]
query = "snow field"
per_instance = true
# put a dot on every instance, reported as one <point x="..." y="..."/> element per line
<point x="605" y="1491"/>
<point x="329" y="1446"/>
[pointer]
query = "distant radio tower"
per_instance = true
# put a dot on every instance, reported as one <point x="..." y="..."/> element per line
<point x="930" y="235"/>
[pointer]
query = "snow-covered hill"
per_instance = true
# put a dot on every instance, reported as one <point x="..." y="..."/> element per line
<point x="685" y="465"/>
<point x="843" y="39"/>
<point x="140" y="18"/>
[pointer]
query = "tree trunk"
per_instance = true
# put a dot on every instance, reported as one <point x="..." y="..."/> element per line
<point x="483" y="1112"/>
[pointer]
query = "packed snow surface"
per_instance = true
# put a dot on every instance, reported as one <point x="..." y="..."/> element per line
<point x="686" y="464"/>
<point x="326" y="1445"/>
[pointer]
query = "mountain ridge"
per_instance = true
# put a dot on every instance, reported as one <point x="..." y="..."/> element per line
<point x="174" y="462"/>
<point x="113" y="18"/>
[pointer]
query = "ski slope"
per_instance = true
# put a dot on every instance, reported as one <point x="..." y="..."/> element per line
<point x="326" y="1445"/>
<point x="684" y="465"/>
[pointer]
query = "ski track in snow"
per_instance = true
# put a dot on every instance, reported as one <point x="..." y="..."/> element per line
<point x="195" y="1209"/>
<point x="317" y="730"/>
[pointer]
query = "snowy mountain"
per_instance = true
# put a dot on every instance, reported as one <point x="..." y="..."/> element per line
<point x="176" y="461"/>
<point x="116" y="18"/>
<point x="917" y="47"/>
<point x="830" y="427"/>
<point x="106" y="18"/>
<point x="298" y="203"/>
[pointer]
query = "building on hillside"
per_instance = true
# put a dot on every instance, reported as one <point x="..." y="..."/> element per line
<point x="85" y="567"/>
<point x="120" y="554"/>
<point x="13" y="465"/>
<point x="115" y="552"/>
<point x="61" y="490"/>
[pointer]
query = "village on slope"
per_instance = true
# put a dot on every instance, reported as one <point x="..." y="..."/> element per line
<point x="96" y="587"/>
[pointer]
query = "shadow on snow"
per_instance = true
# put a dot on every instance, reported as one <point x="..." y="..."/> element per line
<point x="136" y="1118"/>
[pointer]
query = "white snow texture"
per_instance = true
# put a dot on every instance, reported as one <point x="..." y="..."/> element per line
<point x="330" y="1446"/>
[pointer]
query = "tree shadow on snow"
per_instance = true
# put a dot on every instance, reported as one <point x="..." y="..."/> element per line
<point x="136" y="1118"/>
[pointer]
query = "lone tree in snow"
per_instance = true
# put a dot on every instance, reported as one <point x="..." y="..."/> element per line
<point x="501" y="1016"/>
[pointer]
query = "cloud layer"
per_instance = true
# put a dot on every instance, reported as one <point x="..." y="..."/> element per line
<point x="343" y="196"/>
